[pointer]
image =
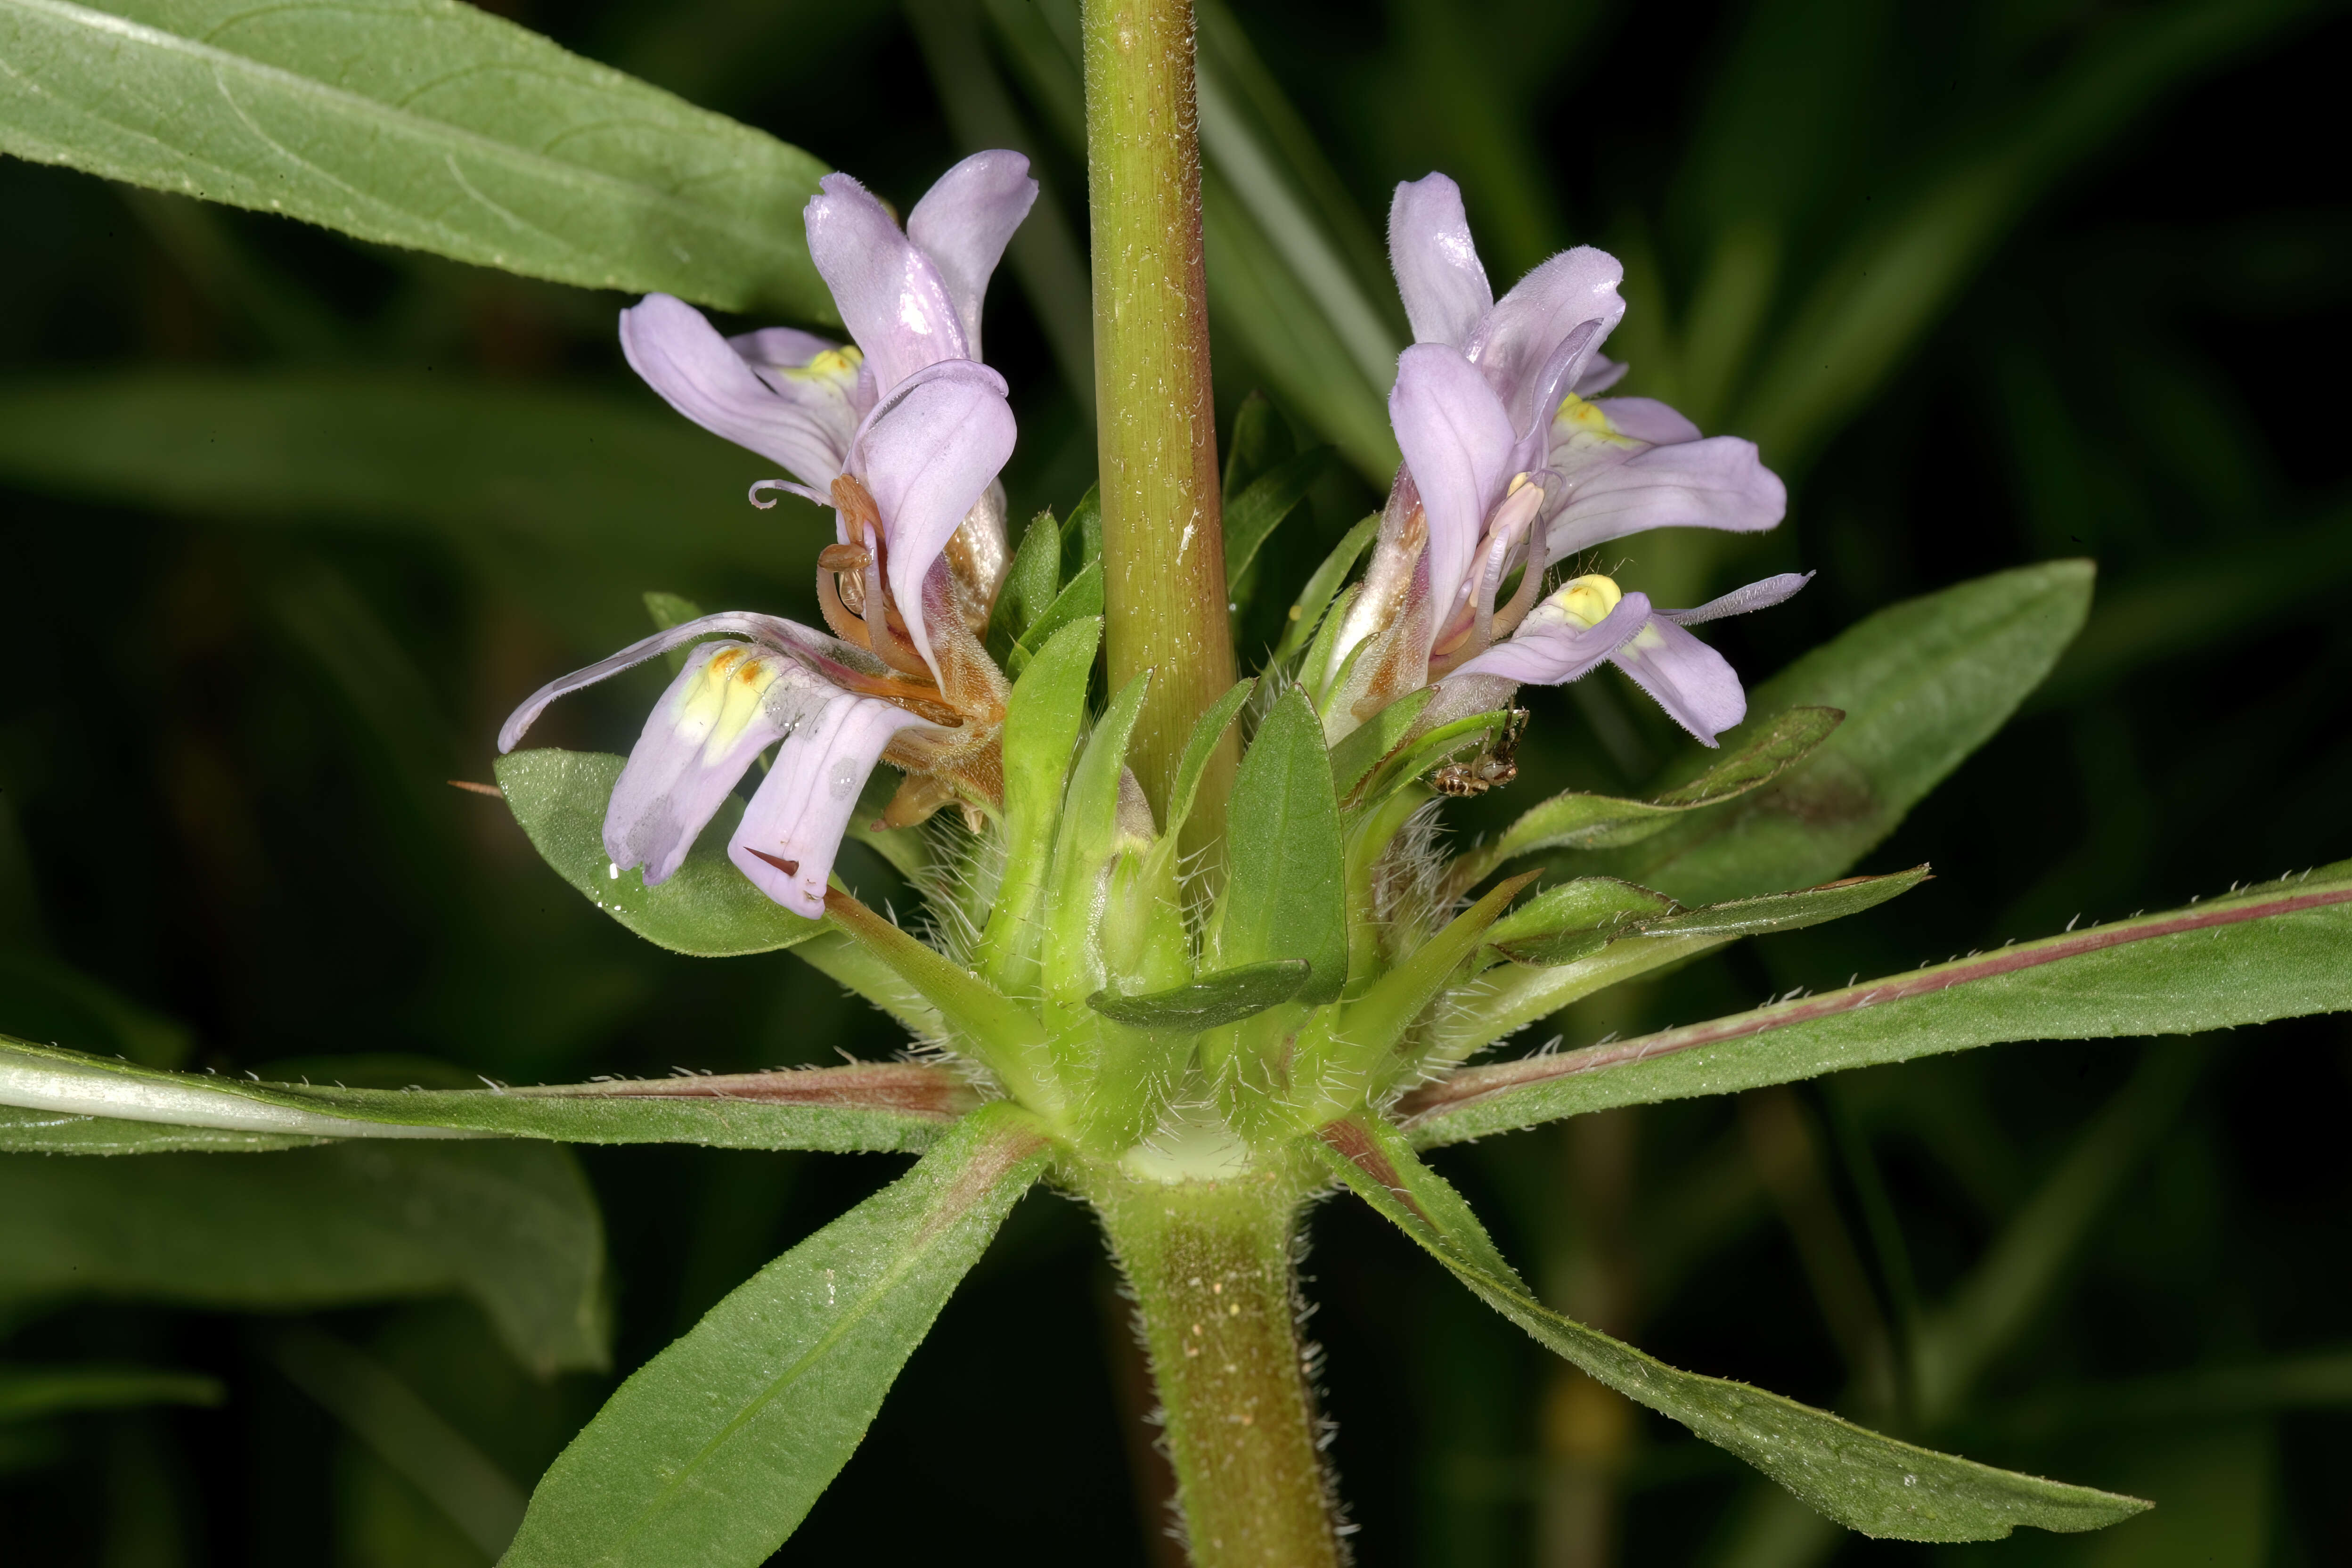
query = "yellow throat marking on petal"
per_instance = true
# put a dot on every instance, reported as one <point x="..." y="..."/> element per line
<point x="717" y="708"/>
<point x="1587" y="601"/>
<point x="1578" y="417"/>
<point x="830" y="365"/>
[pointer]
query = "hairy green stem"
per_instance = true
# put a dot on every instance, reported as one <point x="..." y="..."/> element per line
<point x="1213" y="1269"/>
<point x="1163" y="534"/>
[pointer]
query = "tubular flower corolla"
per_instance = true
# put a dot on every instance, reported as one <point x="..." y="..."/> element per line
<point x="903" y="437"/>
<point x="1512" y="462"/>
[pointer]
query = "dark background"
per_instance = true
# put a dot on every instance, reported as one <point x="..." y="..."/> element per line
<point x="231" y="707"/>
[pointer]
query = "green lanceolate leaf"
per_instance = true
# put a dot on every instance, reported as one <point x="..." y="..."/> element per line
<point x="1573" y="820"/>
<point x="421" y="123"/>
<point x="1322" y="587"/>
<point x="1198" y="749"/>
<point x="1287" y="892"/>
<point x="1791" y="910"/>
<point x="1359" y="1041"/>
<point x="1252" y="517"/>
<point x="1081" y="596"/>
<point x="1866" y="1482"/>
<point x="1259" y="441"/>
<point x="512" y="1226"/>
<point x="1575" y="920"/>
<point x="1579" y="918"/>
<point x="668" y="610"/>
<point x="2273" y="952"/>
<point x="1225" y="997"/>
<point x="1407" y="762"/>
<point x="25" y="1130"/>
<point x="715" y="1449"/>
<point x="63" y="1102"/>
<point x="1922" y="684"/>
<point x="1031" y="584"/>
<point x="1089" y="834"/>
<point x="1360" y="750"/>
<point x="989" y="1025"/>
<point x="1042" y="720"/>
<point x="28" y="1392"/>
<point x="707" y="908"/>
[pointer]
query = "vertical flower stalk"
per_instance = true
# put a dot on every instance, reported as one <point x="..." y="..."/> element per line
<point x="1163" y="535"/>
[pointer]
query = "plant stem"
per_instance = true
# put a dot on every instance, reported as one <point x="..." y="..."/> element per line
<point x="1214" y="1268"/>
<point x="1163" y="534"/>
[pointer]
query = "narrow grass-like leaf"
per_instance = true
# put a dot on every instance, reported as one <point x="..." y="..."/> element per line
<point x="512" y="1225"/>
<point x="1225" y="997"/>
<point x="1574" y="820"/>
<point x="26" y="1391"/>
<point x="2273" y="952"/>
<point x="1322" y="587"/>
<point x="1259" y="441"/>
<point x="1575" y="920"/>
<point x="1089" y="834"/>
<point x="1792" y="910"/>
<point x="1361" y="748"/>
<point x="1349" y="1045"/>
<point x="1405" y="764"/>
<point x="714" y="1451"/>
<point x="25" y="1130"/>
<point x="1286" y="894"/>
<point x="406" y="1433"/>
<point x="1252" y="517"/>
<point x="421" y="123"/>
<point x="1031" y="584"/>
<point x="1080" y="597"/>
<point x="1042" y="720"/>
<point x="1199" y="748"/>
<point x="993" y="1027"/>
<point x="1866" y="1482"/>
<point x="75" y="1104"/>
<point x="566" y="473"/>
<point x="1872" y="302"/>
<point x="1922" y="684"/>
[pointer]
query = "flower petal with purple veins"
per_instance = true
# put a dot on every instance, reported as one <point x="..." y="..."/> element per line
<point x="793" y="829"/>
<point x="891" y="295"/>
<point x="1515" y="343"/>
<point x="705" y="377"/>
<point x="1438" y="272"/>
<point x="727" y="705"/>
<point x="926" y="454"/>
<point x="1458" y="445"/>
<point x="963" y="223"/>
<point x="1715" y="483"/>
<point x="1695" y="685"/>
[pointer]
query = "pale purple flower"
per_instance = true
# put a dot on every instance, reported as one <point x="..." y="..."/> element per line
<point x="904" y="440"/>
<point x="1512" y="463"/>
<point x="911" y="300"/>
<point x="1617" y="466"/>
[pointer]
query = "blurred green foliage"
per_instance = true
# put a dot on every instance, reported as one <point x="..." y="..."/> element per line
<point x="292" y="521"/>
